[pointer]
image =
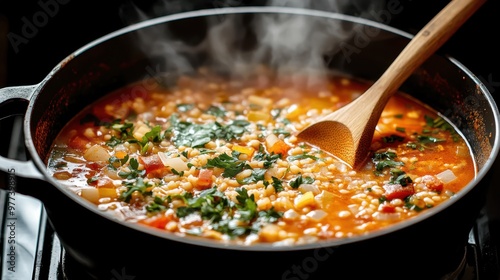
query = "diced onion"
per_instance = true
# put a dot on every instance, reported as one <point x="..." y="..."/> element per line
<point x="317" y="215"/>
<point x="325" y="198"/>
<point x="386" y="216"/>
<point x="175" y="163"/>
<point x="260" y="101"/>
<point x="91" y="194"/>
<point x="446" y="176"/>
<point x="309" y="188"/>
<point x="140" y="131"/>
<point x="291" y="215"/>
<point x="271" y="139"/>
<point x="96" y="153"/>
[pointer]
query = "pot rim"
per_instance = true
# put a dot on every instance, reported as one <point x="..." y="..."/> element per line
<point x="258" y="247"/>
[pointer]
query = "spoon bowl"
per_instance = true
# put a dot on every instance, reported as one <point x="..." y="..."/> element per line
<point x="347" y="133"/>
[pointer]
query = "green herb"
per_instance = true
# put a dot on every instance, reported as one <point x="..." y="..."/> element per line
<point x="197" y="135"/>
<point x="398" y="176"/>
<point x="385" y="160"/>
<point x="281" y="131"/>
<point x="175" y="172"/>
<point x="231" y="164"/>
<point x="247" y="208"/>
<point x="443" y="125"/>
<point x="134" y="172"/>
<point x="295" y="183"/>
<point x="277" y="184"/>
<point x="267" y="159"/>
<point x="157" y="205"/>
<point x="113" y="142"/>
<point x="184" y="107"/>
<point x="257" y="175"/>
<point x="275" y="113"/>
<point x="423" y="139"/>
<point x="216" y="111"/>
<point x="304" y="156"/>
<point x="115" y="162"/>
<point x="92" y="179"/>
<point x="233" y="219"/>
<point x="392" y="138"/>
<point x="136" y="185"/>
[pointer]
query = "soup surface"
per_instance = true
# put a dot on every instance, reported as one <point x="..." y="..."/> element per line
<point x="220" y="159"/>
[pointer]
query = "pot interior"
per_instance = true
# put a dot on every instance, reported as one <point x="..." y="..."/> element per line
<point x="237" y="42"/>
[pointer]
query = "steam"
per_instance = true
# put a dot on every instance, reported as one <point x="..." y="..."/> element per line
<point x="289" y="44"/>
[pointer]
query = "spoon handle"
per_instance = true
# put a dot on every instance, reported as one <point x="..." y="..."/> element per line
<point x="428" y="40"/>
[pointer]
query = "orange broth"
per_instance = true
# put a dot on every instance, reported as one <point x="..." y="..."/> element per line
<point x="219" y="159"/>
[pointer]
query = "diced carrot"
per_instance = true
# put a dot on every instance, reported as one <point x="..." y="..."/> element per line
<point x="120" y="154"/>
<point x="204" y="179"/>
<point x="156" y="221"/>
<point x="279" y="147"/>
<point x="393" y="191"/>
<point x="78" y="142"/>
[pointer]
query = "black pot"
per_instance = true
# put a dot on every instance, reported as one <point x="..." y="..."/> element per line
<point x="430" y="244"/>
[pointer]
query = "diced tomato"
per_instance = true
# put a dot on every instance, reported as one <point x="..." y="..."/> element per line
<point x="432" y="183"/>
<point x="204" y="179"/>
<point x="387" y="208"/>
<point x="156" y="221"/>
<point x="93" y="166"/>
<point x="393" y="191"/>
<point x="78" y="142"/>
<point x="154" y="166"/>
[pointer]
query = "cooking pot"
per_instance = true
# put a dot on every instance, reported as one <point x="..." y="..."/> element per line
<point x="232" y="41"/>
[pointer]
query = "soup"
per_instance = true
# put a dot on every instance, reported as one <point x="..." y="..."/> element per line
<point x="220" y="159"/>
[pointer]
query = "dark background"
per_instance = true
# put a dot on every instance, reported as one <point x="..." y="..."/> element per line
<point x="76" y="22"/>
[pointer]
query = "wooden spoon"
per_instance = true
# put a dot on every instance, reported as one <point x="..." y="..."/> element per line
<point x="347" y="133"/>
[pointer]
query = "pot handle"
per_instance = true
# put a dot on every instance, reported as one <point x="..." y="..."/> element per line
<point x="14" y="101"/>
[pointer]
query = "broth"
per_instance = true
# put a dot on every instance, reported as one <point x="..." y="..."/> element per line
<point x="219" y="159"/>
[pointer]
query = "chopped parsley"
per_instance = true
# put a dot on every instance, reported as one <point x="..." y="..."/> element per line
<point x="276" y="183"/>
<point x="299" y="180"/>
<point x="133" y="172"/>
<point x="268" y="159"/>
<point x="194" y="135"/>
<point x="135" y="185"/>
<point x="233" y="219"/>
<point x="398" y="176"/>
<point x="230" y="163"/>
<point x="384" y="160"/>
<point x="304" y="156"/>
